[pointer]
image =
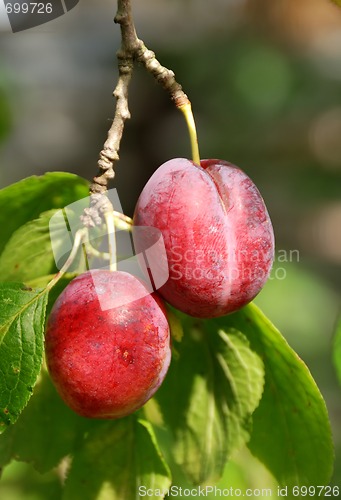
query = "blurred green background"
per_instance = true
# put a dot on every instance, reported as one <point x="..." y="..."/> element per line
<point x="264" y="79"/>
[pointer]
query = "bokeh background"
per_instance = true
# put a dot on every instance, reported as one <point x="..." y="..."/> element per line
<point x="264" y="78"/>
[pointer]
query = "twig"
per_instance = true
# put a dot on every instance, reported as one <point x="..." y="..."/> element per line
<point x="164" y="76"/>
<point x="132" y="49"/>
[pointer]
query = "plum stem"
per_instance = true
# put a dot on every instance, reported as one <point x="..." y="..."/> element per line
<point x="122" y="221"/>
<point x="188" y="114"/>
<point x="110" y="222"/>
<point x="113" y="219"/>
<point x="80" y="236"/>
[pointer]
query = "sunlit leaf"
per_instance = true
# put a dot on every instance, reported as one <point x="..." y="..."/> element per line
<point x="291" y="430"/>
<point x="116" y="459"/>
<point x="211" y="390"/>
<point x="27" y="199"/>
<point x="22" y="316"/>
<point x="28" y="253"/>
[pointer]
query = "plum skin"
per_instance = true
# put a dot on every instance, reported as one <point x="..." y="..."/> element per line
<point x="217" y="233"/>
<point x="107" y="363"/>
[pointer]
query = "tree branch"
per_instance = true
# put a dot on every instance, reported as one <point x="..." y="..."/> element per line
<point x="164" y="76"/>
<point x="132" y="49"/>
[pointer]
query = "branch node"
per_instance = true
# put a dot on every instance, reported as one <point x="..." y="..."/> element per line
<point x="99" y="205"/>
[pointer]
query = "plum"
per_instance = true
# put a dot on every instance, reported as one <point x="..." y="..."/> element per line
<point x="217" y="233"/>
<point x="106" y="361"/>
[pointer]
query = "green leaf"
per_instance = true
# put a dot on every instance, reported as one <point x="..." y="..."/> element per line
<point x="28" y="253"/>
<point x="291" y="430"/>
<point x="338" y="2"/>
<point x="115" y="460"/>
<point x="22" y="315"/>
<point x="46" y="431"/>
<point x="337" y="350"/>
<point x="26" y="199"/>
<point x="211" y="390"/>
